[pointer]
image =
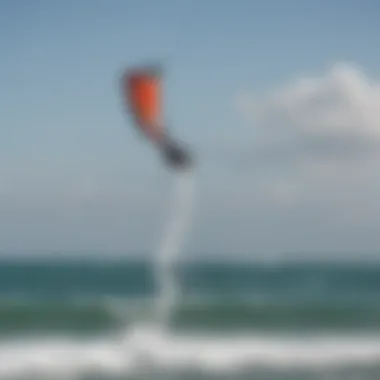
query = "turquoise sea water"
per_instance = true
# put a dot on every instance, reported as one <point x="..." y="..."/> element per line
<point x="95" y="319"/>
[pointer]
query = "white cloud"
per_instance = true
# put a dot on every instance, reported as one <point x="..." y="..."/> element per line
<point x="308" y="163"/>
<point x="324" y="128"/>
<point x="336" y="116"/>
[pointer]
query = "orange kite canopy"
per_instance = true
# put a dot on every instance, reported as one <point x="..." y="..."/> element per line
<point x="142" y="92"/>
<point x="141" y="89"/>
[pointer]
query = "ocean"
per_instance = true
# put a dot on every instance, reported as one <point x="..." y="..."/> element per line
<point x="95" y="319"/>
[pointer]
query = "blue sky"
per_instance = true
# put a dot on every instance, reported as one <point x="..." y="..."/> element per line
<point x="75" y="176"/>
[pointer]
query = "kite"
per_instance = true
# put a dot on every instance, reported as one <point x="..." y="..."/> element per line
<point x="142" y="95"/>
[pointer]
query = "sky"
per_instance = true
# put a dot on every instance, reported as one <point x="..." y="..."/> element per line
<point x="279" y="101"/>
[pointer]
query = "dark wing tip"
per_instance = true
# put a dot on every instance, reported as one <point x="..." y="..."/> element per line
<point x="145" y="70"/>
<point x="177" y="156"/>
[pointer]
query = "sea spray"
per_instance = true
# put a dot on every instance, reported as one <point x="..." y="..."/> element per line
<point x="173" y="238"/>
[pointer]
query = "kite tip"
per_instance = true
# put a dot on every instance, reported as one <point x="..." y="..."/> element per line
<point x="177" y="157"/>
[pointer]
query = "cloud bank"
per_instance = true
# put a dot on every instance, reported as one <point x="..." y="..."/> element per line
<point x="335" y="116"/>
<point x="308" y="162"/>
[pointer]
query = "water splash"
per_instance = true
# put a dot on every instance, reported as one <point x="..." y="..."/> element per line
<point x="172" y="242"/>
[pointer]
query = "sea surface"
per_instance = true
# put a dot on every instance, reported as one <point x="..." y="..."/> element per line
<point x="94" y="319"/>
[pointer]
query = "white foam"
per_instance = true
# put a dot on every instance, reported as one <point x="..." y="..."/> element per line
<point x="148" y="347"/>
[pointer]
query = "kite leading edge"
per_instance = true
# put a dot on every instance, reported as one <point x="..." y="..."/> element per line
<point x="141" y="88"/>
